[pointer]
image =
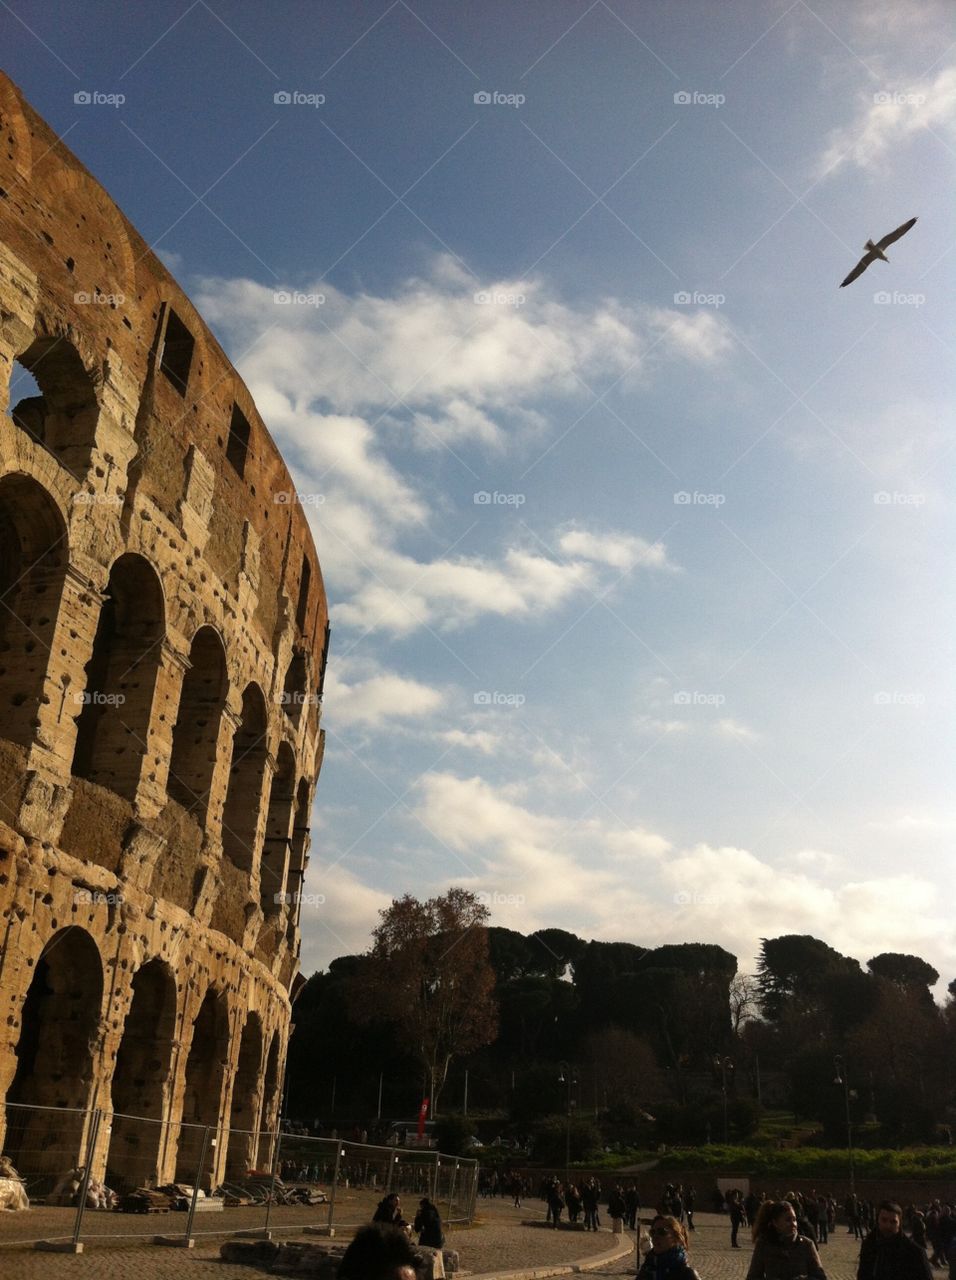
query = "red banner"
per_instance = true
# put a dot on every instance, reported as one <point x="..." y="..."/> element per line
<point x="422" y="1114"/>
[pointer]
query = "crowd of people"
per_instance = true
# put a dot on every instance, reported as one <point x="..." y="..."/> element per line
<point x="787" y="1231"/>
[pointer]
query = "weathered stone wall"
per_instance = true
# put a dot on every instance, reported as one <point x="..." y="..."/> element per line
<point x="159" y="598"/>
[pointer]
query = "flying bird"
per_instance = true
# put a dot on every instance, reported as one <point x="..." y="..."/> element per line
<point x="874" y="251"/>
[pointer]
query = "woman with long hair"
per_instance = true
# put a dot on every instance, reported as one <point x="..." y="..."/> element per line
<point x="667" y="1258"/>
<point x="780" y="1251"/>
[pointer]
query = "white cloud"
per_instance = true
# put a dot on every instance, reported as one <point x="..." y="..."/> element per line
<point x="338" y="915"/>
<point x="888" y="118"/>
<point x="346" y="384"/>
<point x="611" y="882"/>
<point x="620" y="551"/>
<point x="375" y="699"/>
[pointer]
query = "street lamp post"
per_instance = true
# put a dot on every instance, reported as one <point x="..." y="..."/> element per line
<point x="839" y="1065"/>
<point x="569" y="1078"/>
<point x="724" y="1065"/>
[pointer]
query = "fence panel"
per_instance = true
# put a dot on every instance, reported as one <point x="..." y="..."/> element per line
<point x="179" y="1180"/>
<point x="45" y="1148"/>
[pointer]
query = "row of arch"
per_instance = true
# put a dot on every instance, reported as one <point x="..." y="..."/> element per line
<point x="169" y="1080"/>
<point x="114" y="711"/>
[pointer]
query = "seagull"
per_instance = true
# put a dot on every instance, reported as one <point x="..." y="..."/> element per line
<point x="874" y="251"/>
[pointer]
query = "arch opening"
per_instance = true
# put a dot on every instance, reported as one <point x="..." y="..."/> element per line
<point x="33" y="561"/>
<point x="59" y="1033"/>
<point x="63" y="416"/>
<point x="141" y="1077"/>
<point x="113" y="725"/>
<point x="246" y="1102"/>
<point x="278" y="838"/>
<point x="196" y="735"/>
<point x="240" y="819"/>
<point x="202" y="1093"/>
<point x="270" y="1106"/>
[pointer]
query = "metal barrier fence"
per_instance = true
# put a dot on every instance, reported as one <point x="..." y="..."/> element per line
<point x="81" y="1171"/>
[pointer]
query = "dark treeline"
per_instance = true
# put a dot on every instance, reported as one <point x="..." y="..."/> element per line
<point x="649" y="1045"/>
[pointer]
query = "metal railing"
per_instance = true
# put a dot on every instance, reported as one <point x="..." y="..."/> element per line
<point x="82" y="1170"/>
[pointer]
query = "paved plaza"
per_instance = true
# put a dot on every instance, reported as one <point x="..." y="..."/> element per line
<point x="499" y="1242"/>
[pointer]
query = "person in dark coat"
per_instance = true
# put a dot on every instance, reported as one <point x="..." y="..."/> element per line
<point x="735" y="1205"/>
<point x="389" y="1212"/>
<point x="667" y="1259"/>
<point x="780" y="1251"/>
<point x="379" y="1253"/>
<point x="887" y="1254"/>
<point x="428" y="1225"/>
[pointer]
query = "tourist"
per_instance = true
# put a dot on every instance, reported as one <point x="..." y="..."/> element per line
<point x="667" y="1257"/>
<point x="887" y="1254"/>
<point x="555" y="1203"/>
<point x="378" y="1253"/>
<point x="589" y="1198"/>
<point x="389" y="1212"/>
<point x="736" y="1216"/>
<point x="780" y="1251"/>
<point x="633" y="1202"/>
<point x="428" y="1225"/>
<point x="573" y="1198"/>
<point x="690" y="1196"/>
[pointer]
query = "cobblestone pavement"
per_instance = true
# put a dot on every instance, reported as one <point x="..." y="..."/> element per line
<point x="498" y="1243"/>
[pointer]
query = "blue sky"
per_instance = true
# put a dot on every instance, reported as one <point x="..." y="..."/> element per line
<point x="635" y="526"/>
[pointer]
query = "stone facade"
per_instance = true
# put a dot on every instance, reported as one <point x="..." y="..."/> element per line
<point x="163" y="638"/>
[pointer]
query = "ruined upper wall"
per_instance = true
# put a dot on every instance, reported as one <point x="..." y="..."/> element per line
<point x="55" y="217"/>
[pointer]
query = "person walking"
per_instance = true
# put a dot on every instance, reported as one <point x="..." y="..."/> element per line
<point x="667" y="1257"/>
<point x="887" y="1254"/>
<point x="780" y="1252"/>
<point x="736" y="1217"/>
<point x="428" y="1225"/>
<point x="690" y="1197"/>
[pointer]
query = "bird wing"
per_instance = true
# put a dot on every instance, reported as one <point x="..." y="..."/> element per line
<point x="860" y="267"/>
<point x="895" y="235"/>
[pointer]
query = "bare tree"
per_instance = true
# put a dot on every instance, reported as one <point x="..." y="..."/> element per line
<point x="744" y="1000"/>
<point x="428" y="972"/>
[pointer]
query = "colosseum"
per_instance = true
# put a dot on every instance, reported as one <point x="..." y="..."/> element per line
<point x="163" y="639"/>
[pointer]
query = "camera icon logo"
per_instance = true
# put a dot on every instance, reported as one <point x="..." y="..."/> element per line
<point x="83" y="98"/>
<point x="683" y="498"/>
<point x="682" y="299"/>
<point x="282" y="297"/>
<point x="682" y="98"/>
<point x="482" y="698"/>
<point x="482" y="98"/>
<point x="282" y="98"/>
<point x="482" y="498"/>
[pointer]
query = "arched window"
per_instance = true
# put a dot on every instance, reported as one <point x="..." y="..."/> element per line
<point x="196" y="734"/>
<point x="270" y="1106"/>
<point x="293" y="692"/>
<point x="113" y="726"/>
<point x="298" y="855"/>
<point x="63" y="416"/>
<point x="240" y="818"/>
<point x="33" y="560"/>
<point x="275" y="850"/>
